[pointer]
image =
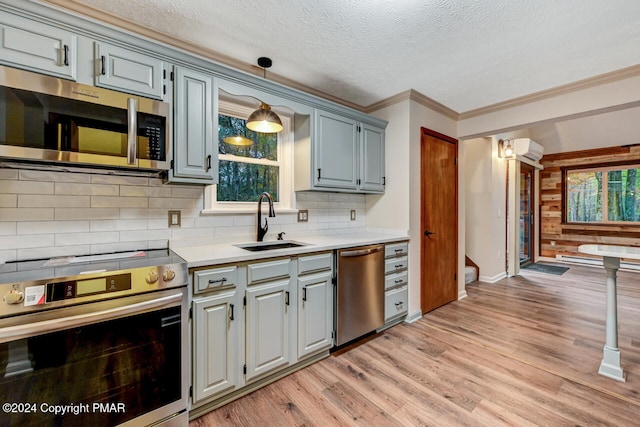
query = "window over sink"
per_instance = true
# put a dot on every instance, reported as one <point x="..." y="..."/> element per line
<point x="260" y="162"/>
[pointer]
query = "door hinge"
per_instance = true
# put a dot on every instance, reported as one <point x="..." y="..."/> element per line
<point x="190" y="391"/>
<point x="191" y="313"/>
<point x="455" y="161"/>
<point x="171" y="164"/>
<point x="455" y="276"/>
<point x="244" y="369"/>
<point x="334" y="281"/>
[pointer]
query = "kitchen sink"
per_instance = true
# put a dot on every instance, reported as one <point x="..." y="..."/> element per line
<point x="267" y="246"/>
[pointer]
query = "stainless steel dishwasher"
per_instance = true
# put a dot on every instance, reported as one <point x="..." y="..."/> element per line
<point x="359" y="292"/>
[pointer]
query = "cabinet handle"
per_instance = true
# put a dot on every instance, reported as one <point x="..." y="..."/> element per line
<point x="304" y="294"/>
<point x="399" y="304"/>
<point x="66" y="55"/>
<point x="319" y="173"/>
<point x="208" y="163"/>
<point x="397" y="281"/>
<point x="231" y="316"/>
<point x="399" y="265"/>
<point x="384" y="180"/>
<point x="221" y="281"/>
<point x="286" y="297"/>
<point x="399" y="250"/>
<point x="132" y="119"/>
<point x="103" y="69"/>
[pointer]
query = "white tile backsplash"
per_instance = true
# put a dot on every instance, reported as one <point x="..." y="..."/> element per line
<point x="47" y="213"/>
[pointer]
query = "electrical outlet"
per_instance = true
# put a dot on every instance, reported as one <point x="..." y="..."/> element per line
<point x="174" y="219"/>
<point x="353" y="214"/>
<point x="303" y="215"/>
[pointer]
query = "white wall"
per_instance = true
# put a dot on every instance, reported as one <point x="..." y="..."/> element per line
<point x="44" y="213"/>
<point x="399" y="208"/>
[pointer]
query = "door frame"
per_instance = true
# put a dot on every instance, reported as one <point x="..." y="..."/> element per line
<point x="428" y="132"/>
<point x="532" y="212"/>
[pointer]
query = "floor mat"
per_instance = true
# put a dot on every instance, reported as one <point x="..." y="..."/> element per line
<point x="546" y="268"/>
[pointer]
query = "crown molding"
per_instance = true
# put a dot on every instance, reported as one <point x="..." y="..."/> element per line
<point x="209" y="54"/>
<point x="416" y="96"/>
<point x="613" y="76"/>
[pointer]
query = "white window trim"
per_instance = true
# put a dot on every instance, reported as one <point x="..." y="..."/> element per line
<point x="286" y="204"/>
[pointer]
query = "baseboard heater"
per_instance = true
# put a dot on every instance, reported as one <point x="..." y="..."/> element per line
<point x="575" y="259"/>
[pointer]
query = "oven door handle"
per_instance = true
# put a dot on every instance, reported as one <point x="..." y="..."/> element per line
<point x="54" y="325"/>
<point x="132" y="126"/>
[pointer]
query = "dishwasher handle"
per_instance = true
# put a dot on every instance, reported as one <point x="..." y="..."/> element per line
<point x="361" y="252"/>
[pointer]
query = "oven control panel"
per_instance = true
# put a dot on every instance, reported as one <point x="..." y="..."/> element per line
<point x="77" y="288"/>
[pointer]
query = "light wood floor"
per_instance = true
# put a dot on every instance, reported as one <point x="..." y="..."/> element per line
<point x="521" y="352"/>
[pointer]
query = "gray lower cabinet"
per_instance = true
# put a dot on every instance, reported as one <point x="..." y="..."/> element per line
<point x="216" y="334"/>
<point x="267" y="333"/>
<point x="315" y="303"/>
<point x="37" y="47"/>
<point x="396" y="304"/>
<point x="195" y="149"/>
<point x="128" y="71"/>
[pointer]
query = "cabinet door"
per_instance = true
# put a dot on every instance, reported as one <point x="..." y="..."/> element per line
<point x="37" y="47"/>
<point x="372" y="159"/>
<point x="127" y="71"/>
<point x="315" y="313"/>
<point x="195" y="153"/>
<point x="267" y="330"/>
<point x="215" y="345"/>
<point x="335" y="151"/>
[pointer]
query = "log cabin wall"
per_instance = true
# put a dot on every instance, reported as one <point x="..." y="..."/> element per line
<point x="560" y="238"/>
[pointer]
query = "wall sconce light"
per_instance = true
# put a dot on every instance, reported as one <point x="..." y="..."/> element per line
<point x="505" y="148"/>
<point x="264" y="120"/>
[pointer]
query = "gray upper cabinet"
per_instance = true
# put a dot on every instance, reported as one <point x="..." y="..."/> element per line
<point x="372" y="177"/>
<point x="37" y="47"/>
<point x="128" y="71"/>
<point x="336" y="151"/>
<point x="195" y="149"/>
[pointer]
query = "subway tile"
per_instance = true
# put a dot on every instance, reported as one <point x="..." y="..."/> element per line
<point x="8" y="228"/>
<point x="190" y="233"/>
<point x="133" y="213"/>
<point x="8" y="200"/>
<point x="235" y="231"/>
<point x="8" y="255"/>
<point x="93" y="238"/>
<point x="118" y="224"/>
<point x="188" y="192"/>
<point x="26" y="187"/>
<point x="140" y="191"/>
<point x="45" y="201"/>
<point x="119" y="180"/>
<point x="120" y="202"/>
<point x="8" y="174"/>
<point x="23" y="242"/>
<point x="157" y="203"/>
<point x="130" y="236"/>
<point x="53" y="251"/>
<point x="86" y="213"/>
<point x="24" y="214"/>
<point x="215" y="221"/>
<point x="119" y="247"/>
<point x="51" y="176"/>
<point x="52" y="227"/>
<point x="83" y="189"/>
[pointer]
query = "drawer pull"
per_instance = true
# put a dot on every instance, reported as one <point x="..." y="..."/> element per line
<point x="399" y="304"/>
<point x="397" y="281"/>
<point x="399" y="265"/>
<point x="221" y="281"/>
<point x="399" y="250"/>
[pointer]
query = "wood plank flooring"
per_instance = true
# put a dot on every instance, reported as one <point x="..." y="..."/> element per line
<point x="520" y="352"/>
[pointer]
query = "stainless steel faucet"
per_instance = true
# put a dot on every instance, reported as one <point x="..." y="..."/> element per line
<point x="263" y="230"/>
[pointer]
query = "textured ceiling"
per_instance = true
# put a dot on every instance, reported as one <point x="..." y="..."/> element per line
<point x="465" y="54"/>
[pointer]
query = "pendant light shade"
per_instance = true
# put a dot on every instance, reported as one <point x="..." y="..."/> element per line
<point x="238" y="140"/>
<point x="264" y="120"/>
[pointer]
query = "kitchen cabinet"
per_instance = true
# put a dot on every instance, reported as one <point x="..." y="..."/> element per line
<point x="396" y="283"/>
<point x="128" y="71"/>
<point x="338" y="153"/>
<point x="195" y="122"/>
<point x="315" y="303"/>
<point x="216" y="334"/>
<point x="38" y="47"/>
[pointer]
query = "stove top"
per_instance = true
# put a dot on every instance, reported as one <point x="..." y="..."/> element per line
<point x="61" y="267"/>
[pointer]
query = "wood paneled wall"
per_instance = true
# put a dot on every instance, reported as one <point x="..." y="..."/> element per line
<point x="557" y="237"/>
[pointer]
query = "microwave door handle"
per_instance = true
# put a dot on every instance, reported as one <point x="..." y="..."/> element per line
<point x="13" y="333"/>
<point x="132" y="121"/>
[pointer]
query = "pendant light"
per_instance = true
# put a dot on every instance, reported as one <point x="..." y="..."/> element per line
<point x="264" y="120"/>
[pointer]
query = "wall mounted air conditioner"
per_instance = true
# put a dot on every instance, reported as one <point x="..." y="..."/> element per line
<point x="528" y="148"/>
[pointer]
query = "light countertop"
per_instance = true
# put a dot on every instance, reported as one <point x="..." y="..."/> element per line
<point x="199" y="255"/>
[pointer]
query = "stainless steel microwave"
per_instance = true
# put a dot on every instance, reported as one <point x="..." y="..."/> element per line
<point x="47" y="119"/>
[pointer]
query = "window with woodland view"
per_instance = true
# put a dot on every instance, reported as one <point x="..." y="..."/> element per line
<point x="603" y="195"/>
<point x="245" y="171"/>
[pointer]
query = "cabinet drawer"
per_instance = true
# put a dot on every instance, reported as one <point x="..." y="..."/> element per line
<point x="262" y="271"/>
<point x="215" y="278"/>
<point x="396" y="303"/>
<point x="318" y="262"/>
<point x="394" y="265"/>
<point x="396" y="249"/>
<point x="395" y="280"/>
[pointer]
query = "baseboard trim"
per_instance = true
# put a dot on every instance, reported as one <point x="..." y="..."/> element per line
<point x="462" y="294"/>
<point x="413" y="317"/>
<point x="493" y="279"/>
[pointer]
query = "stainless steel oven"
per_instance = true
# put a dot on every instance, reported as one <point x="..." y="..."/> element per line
<point x="98" y="342"/>
<point x="48" y="119"/>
